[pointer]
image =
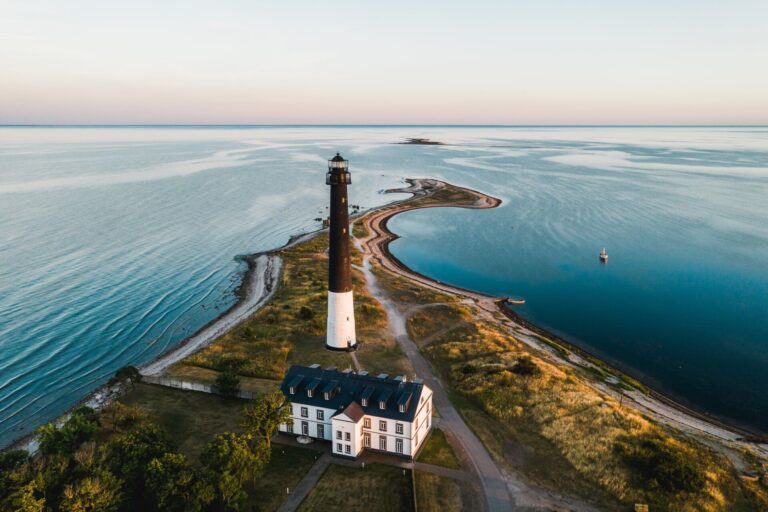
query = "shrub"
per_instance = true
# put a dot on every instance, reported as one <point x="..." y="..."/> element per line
<point x="227" y="383"/>
<point x="525" y="366"/>
<point x="306" y="314"/>
<point x="125" y="373"/>
<point x="660" y="463"/>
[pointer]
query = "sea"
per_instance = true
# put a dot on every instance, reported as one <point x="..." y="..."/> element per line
<point x="116" y="243"/>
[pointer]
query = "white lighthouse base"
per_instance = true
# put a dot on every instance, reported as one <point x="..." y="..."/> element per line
<point x="341" y="322"/>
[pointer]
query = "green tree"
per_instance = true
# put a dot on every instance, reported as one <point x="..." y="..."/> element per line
<point x="262" y="418"/>
<point x="227" y="383"/>
<point x="65" y="440"/>
<point x="27" y="498"/>
<point x="130" y="454"/>
<point x="176" y="486"/>
<point x="230" y="462"/>
<point x="98" y="493"/>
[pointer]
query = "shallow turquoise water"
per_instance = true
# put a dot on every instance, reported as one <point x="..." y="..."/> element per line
<point x="117" y="243"/>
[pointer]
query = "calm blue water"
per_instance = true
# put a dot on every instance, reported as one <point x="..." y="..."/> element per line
<point x="116" y="243"/>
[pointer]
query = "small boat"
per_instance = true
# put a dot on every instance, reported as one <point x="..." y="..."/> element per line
<point x="511" y="300"/>
<point x="603" y="256"/>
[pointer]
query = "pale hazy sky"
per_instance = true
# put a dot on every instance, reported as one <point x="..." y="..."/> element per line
<point x="505" y="62"/>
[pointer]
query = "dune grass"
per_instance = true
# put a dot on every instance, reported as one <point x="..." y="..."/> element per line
<point x="291" y="328"/>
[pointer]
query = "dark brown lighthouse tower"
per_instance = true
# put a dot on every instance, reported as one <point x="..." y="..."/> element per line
<point x="341" y="314"/>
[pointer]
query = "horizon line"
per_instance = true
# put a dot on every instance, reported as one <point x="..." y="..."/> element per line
<point x="368" y="125"/>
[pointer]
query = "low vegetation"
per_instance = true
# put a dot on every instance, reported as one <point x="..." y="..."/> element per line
<point x="438" y="451"/>
<point x="436" y="493"/>
<point x="377" y="488"/>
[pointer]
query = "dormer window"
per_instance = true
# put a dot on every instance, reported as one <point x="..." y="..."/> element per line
<point x="292" y="390"/>
<point x="382" y="404"/>
<point x="309" y="393"/>
<point x="402" y="408"/>
<point x="327" y="395"/>
<point x="364" y="402"/>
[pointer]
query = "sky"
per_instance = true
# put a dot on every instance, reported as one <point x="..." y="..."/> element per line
<point x="365" y="62"/>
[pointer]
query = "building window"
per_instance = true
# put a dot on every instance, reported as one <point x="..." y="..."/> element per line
<point x="416" y="439"/>
<point x="321" y="431"/>
<point x="347" y="449"/>
<point x="382" y="405"/>
<point x="320" y="415"/>
<point x="417" y="423"/>
<point x="382" y="425"/>
<point x="292" y="390"/>
<point x="309" y="393"/>
<point x="398" y="428"/>
<point x="399" y="445"/>
<point x="347" y="436"/>
<point x="304" y="412"/>
<point x="338" y="447"/>
<point x="289" y="428"/>
<point x="367" y="440"/>
<point x="364" y="402"/>
<point x="304" y="428"/>
<point x="366" y="422"/>
<point x="382" y="442"/>
<point x="402" y="408"/>
<point x="338" y="435"/>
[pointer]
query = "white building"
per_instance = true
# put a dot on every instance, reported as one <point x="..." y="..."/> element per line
<point x="357" y="411"/>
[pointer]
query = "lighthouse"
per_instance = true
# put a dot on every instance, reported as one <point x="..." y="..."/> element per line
<point x="341" y="314"/>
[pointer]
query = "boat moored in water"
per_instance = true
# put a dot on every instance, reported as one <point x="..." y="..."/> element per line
<point x="603" y="256"/>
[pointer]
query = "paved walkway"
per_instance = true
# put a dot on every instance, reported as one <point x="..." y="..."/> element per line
<point x="306" y="484"/>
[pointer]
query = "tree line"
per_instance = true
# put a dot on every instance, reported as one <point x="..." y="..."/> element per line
<point x="83" y="466"/>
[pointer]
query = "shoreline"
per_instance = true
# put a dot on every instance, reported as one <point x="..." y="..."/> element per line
<point x="261" y="279"/>
<point x="657" y="404"/>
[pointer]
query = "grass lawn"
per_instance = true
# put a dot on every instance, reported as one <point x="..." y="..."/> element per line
<point x="437" y="451"/>
<point x="286" y="468"/>
<point x="435" y="493"/>
<point x="377" y="488"/>
<point x="189" y="417"/>
<point x="208" y="376"/>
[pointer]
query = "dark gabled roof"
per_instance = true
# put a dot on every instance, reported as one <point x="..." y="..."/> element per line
<point x="350" y="388"/>
<point x="294" y="383"/>
<point x="313" y="384"/>
<point x="384" y="395"/>
<point x="331" y="386"/>
<point x="367" y="392"/>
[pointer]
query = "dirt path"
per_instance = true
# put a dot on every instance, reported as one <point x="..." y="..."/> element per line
<point x="494" y="486"/>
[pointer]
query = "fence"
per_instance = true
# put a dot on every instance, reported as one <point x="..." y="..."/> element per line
<point x="192" y="386"/>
